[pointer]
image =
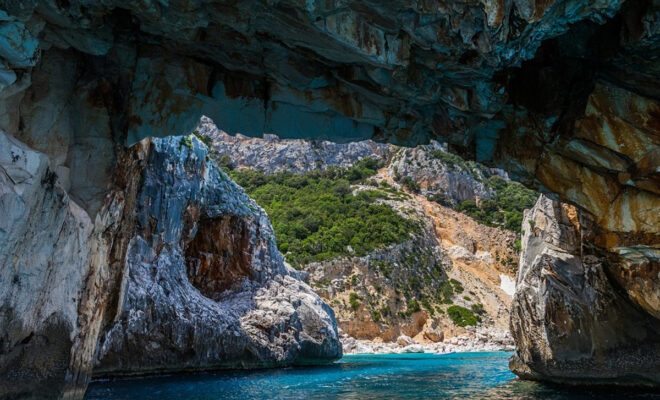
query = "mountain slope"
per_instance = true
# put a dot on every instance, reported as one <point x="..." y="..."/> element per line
<point x="446" y="276"/>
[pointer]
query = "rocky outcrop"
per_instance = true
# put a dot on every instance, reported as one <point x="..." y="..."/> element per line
<point x="206" y="286"/>
<point x="441" y="175"/>
<point x="271" y="154"/>
<point x="571" y="320"/>
<point x="138" y="290"/>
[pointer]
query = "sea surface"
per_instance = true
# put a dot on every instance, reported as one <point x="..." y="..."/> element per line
<point x="363" y="377"/>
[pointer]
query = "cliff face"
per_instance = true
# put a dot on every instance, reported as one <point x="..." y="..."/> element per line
<point x="139" y="290"/>
<point x="59" y="271"/>
<point x="563" y="94"/>
<point x="206" y="286"/>
<point x="571" y="322"/>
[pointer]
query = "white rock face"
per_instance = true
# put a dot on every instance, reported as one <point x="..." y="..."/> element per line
<point x="404" y="340"/>
<point x="569" y="321"/>
<point x="51" y="258"/>
<point x="507" y="284"/>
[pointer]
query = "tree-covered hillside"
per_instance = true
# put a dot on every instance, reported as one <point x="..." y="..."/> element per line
<point x="316" y="216"/>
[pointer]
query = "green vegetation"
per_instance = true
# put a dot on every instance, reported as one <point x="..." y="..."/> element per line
<point x="462" y="316"/>
<point x="206" y="140"/>
<point x="224" y="162"/>
<point x="427" y="305"/>
<point x="186" y="141"/>
<point x="478" y="308"/>
<point x="505" y="210"/>
<point x="518" y="245"/>
<point x="412" y="306"/>
<point x="316" y="216"/>
<point x="354" y="300"/>
<point x="410" y="184"/>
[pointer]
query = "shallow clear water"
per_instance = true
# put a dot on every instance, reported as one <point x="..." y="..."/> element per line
<point x="400" y="376"/>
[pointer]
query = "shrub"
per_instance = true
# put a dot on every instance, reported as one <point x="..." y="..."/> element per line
<point x="505" y="209"/>
<point x="427" y="305"/>
<point x="518" y="246"/>
<point x="462" y="316"/>
<point x="410" y="184"/>
<point x="457" y="286"/>
<point x="354" y="300"/>
<point x="412" y="306"/>
<point x="477" y="308"/>
<point x="186" y="141"/>
<point x="206" y="140"/>
<point x="224" y="162"/>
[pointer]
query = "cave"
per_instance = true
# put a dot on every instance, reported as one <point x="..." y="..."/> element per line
<point x="219" y="255"/>
<point x="562" y="94"/>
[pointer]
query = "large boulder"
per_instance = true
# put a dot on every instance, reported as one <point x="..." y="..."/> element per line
<point x="570" y="319"/>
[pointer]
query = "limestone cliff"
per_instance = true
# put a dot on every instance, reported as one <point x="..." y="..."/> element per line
<point x="179" y="271"/>
<point x="571" y="322"/>
<point x="205" y="285"/>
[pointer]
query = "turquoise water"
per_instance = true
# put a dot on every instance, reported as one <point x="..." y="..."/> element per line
<point x="400" y="376"/>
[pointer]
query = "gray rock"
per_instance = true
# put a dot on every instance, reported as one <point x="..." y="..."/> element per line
<point x="571" y="323"/>
<point x="206" y="286"/>
<point x="272" y="154"/>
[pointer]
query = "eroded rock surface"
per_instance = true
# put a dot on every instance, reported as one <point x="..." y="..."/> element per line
<point x="571" y="320"/>
<point x="138" y="280"/>
<point x="206" y="286"/>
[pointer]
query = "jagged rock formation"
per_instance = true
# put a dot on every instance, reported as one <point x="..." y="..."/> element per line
<point x="439" y="178"/>
<point x="139" y="280"/>
<point x="563" y="94"/>
<point x="570" y="321"/>
<point x="272" y="154"/>
<point x="205" y="285"/>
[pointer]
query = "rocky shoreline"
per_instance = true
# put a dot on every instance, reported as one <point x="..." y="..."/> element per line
<point x="475" y="340"/>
